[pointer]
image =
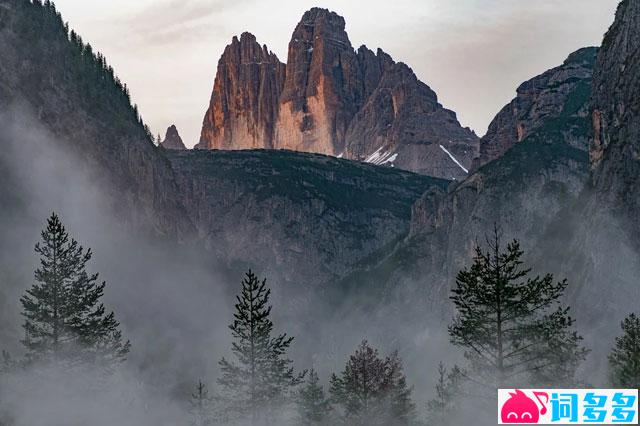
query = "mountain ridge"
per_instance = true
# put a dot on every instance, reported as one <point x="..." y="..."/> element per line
<point x="333" y="99"/>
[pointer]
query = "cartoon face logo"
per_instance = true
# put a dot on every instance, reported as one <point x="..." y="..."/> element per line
<point x="519" y="408"/>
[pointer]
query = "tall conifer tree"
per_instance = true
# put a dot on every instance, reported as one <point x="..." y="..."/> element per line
<point x="262" y="379"/>
<point x="513" y="326"/>
<point x="64" y="317"/>
<point x="624" y="360"/>
<point x="201" y="406"/>
<point x="372" y="390"/>
<point x="440" y="408"/>
<point x="313" y="407"/>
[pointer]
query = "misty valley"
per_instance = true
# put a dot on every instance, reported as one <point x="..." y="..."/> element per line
<point x="335" y="249"/>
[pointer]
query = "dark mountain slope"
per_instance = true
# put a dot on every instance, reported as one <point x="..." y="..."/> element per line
<point x="303" y="216"/>
<point x="521" y="191"/>
<point x="615" y="151"/>
<point x="602" y="248"/>
<point x="49" y="73"/>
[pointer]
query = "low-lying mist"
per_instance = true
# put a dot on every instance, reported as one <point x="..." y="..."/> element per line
<point x="175" y="303"/>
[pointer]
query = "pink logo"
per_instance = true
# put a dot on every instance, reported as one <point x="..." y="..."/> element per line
<point x="519" y="408"/>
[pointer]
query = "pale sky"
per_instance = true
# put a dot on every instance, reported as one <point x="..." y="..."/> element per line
<point x="473" y="53"/>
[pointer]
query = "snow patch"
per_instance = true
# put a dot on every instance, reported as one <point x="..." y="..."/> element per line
<point x="455" y="160"/>
<point x="379" y="157"/>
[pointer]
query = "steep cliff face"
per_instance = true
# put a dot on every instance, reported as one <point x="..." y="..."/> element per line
<point x="358" y="105"/>
<point x="596" y="240"/>
<point x="538" y="101"/>
<point x="172" y="139"/>
<point x="304" y="218"/>
<point x="402" y="123"/>
<point x="615" y="150"/>
<point x="244" y="101"/>
<point x="321" y="89"/>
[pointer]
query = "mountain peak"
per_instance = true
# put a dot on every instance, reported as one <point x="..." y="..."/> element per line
<point x="537" y="102"/>
<point x="172" y="139"/>
<point x="245" y="94"/>
<point x="318" y="14"/>
<point x="246" y="37"/>
<point x="334" y="100"/>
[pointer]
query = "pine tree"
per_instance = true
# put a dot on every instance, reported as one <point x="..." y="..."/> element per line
<point x="64" y="318"/>
<point x="512" y="325"/>
<point x="262" y="379"/>
<point x="401" y="407"/>
<point x="313" y="406"/>
<point x="440" y="408"/>
<point x="372" y="390"/>
<point x="201" y="406"/>
<point x="624" y="360"/>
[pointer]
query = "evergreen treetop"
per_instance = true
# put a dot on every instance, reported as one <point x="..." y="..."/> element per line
<point x="624" y="360"/>
<point x="262" y="378"/>
<point x="372" y="390"/>
<point x="64" y="317"/>
<point x="512" y="324"/>
<point x="313" y="406"/>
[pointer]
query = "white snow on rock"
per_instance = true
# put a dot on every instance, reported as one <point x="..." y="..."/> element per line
<point x="379" y="157"/>
<point x="455" y="160"/>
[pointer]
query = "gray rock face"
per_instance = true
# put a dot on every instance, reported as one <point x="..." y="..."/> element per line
<point x="538" y="101"/>
<point x="321" y="88"/>
<point x="244" y="102"/>
<point x="538" y="173"/>
<point x="402" y="123"/>
<point x="300" y="217"/>
<point x="522" y="192"/>
<point x="615" y="149"/>
<point x="333" y="100"/>
<point x="172" y="139"/>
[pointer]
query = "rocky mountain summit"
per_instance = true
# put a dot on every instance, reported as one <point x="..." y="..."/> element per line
<point x="332" y="99"/>
<point x="244" y="102"/>
<point x="538" y="101"/>
<point x="172" y="139"/>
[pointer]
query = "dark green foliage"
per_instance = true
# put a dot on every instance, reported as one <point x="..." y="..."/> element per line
<point x="262" y="378"/>
<point x="313" y="406"/>
<point x="440" y="409"/>
<point x="201" y="406"/>
<point x="512" y="325"/>
<point x="624" y="360"/>
<point x="372" y="390"/>
<point x="64" y="318"/>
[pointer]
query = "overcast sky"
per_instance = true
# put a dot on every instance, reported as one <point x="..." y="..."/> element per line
<point x="473" y="53"/>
